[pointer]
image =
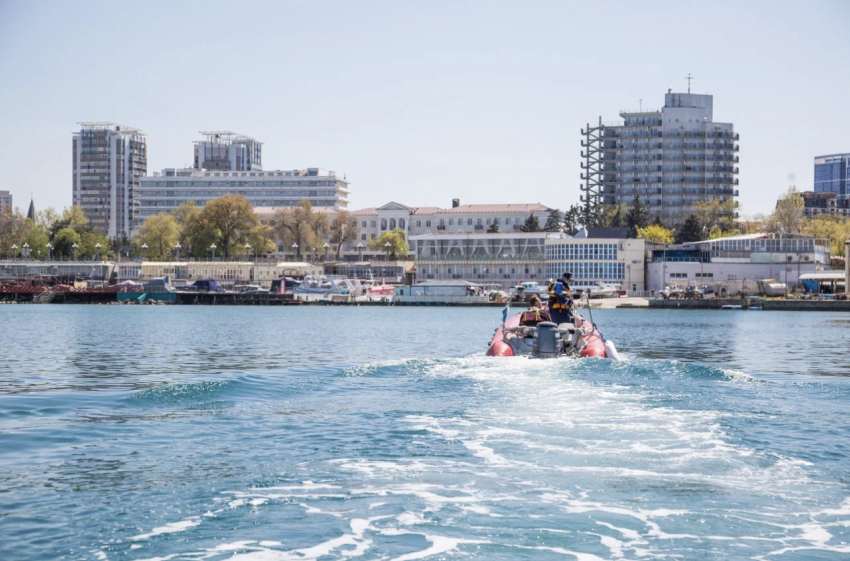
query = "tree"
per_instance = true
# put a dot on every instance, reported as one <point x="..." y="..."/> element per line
<point x="715" y="232"/>
<point x="13" y="229"/>
<point x="656" y="233"/>
<point x="36" y="238"/>
<point x="64" y="240"/>
<point x="48" y="218"/>
<point x="713" y="213"/>
<point x="658" y="221"/>
<point x="690" y="231"/>
<point x="613" y="216"/>
<point x="493" y="228"/>
<point x="397" y="240"/>
<point x="343" y="230"/>
<point x="554" y="222"/>
<point x="788" y="216"/>
<point x="836" y="229"/>
<point x="260" y="239"/>
<point x="72" y="217"/>
<point x="160" y="233"/>
<point x="531" y="224"/>
<point x="637" y="217"/>
<point x="191" y="234"/>
<point x="572" y="219"/>
<point x="301" y="226"/>
<point x="227" y="221"/>
<point x="88" y="244"/>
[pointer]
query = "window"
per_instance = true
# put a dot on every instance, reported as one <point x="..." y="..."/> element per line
<point x="469" y="222"/>
<point x="363" y="224"/>
<point x="451" y="222"/>
<point x="374" y="224"/>
<point x="363" y="237"/>
<point x="418" y="223"/>
<point x="427" y="223"/>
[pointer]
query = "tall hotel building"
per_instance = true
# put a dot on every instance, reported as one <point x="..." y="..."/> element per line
<point x="227" y="163"/>
<point x="109" y="162"/>
<point x="228" y="151"/>
<point x="673" y="158"/>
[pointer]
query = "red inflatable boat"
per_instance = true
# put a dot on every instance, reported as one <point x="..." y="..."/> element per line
<point x="547" y="340"/>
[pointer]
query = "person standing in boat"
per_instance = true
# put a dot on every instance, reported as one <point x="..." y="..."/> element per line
<point x="535" y="314"/>
<point x="560" y="300"/>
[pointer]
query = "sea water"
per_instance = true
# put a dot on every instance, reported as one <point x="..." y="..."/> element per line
<point x="291" y="434"/>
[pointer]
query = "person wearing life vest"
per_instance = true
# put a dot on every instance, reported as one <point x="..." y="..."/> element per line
<point x="535" y="314"/>
<point x="560" y="302"/>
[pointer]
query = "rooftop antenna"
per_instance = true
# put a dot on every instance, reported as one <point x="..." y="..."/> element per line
<point x="640" y="102"/>
<point x="689" y="78"/>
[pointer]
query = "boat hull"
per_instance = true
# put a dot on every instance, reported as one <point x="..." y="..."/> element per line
<point x="594" y="347"/>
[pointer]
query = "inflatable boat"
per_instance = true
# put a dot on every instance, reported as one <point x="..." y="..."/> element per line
<point x="580" y="339"/>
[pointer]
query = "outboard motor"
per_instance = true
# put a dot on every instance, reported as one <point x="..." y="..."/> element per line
<point x="547" y="341"/>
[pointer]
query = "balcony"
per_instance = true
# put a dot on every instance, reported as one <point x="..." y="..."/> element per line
<point x="479" y="227"/>
<point x="441" y="226"/>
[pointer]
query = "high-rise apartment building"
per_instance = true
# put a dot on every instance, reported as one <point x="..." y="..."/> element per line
<point x="228" y="151"/>
<point x="832" y="174"/>
<point x="6" y="201"/>
<point x="109" y="161"/>
<point x="671" y="157"/>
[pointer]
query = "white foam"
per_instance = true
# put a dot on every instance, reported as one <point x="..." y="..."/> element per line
<point x="169" y="528"/>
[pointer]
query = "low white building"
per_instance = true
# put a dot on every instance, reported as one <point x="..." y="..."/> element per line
<point x="747" y="257"/>
<point x="602" y="255"/>
<point x="504" y="258"/>
<point x="511" y="258"/>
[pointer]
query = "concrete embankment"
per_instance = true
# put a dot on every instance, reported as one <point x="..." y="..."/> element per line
<point x="766" y="305"/>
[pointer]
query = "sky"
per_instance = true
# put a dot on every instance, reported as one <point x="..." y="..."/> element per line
<point x="418" y="102"/>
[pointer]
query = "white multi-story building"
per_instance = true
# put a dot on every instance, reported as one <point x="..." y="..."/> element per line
<point x="415" y="221"/>
<point x="228" y="151"/>
<point x="164" y="192"/>
<point x="747" y="257"/>
<point x="593" y="259"/>
<point x="109" y="162"/>
<point x="6" y="201"/>
<point x="672" y="158"/>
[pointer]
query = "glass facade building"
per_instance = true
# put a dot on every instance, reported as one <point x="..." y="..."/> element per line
<point x="832" y="174"/>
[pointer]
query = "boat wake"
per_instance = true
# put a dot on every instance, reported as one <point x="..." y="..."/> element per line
<point x="532" y="459"/>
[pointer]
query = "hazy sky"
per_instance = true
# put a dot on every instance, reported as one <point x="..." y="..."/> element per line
<point x="418" y="102"/>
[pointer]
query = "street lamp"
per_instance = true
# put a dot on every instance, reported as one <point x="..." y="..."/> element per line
<point x="144" y="251"/>
<point x="25" y="250"/>
<point x="14" y="250"/>
<point x="247" y="250"/>
<point x="212" y="247"/>
<point x="75" y="246"/>
<point x="295" y="249"/>
<point x="326" y="246"/>
<point x="360" y="250"/>
<point x="49" y="251"/>
<point x="97" y="246"/>
<point x="387" y="247"/>
<point x="177" y="246"/>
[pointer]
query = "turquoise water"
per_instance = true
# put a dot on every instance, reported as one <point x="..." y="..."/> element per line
<point x="283" y="434"/>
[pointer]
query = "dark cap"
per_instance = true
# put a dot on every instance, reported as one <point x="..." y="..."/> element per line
<point x="568" y="275"/>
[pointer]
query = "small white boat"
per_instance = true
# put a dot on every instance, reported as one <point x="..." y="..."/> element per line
<point x="731" y="307"/>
